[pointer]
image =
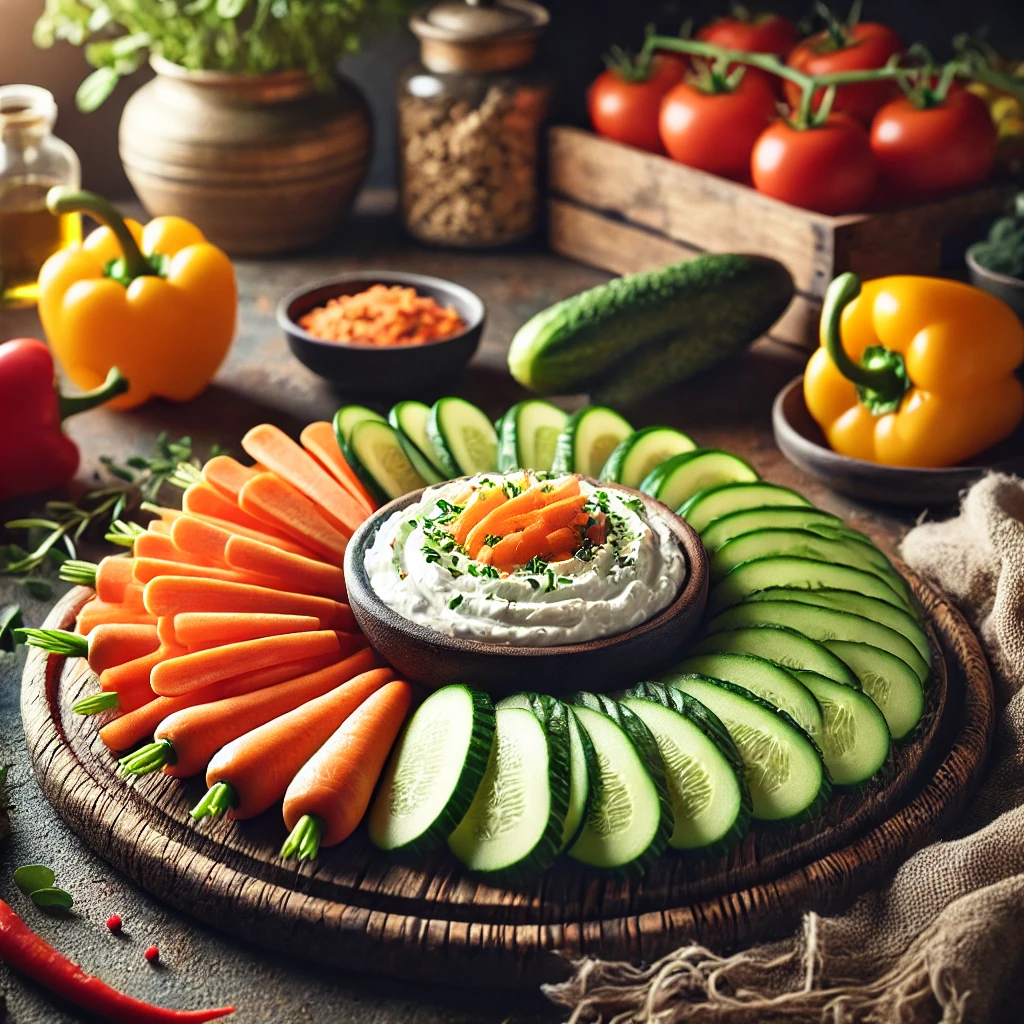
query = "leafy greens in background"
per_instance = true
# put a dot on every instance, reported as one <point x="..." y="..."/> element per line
<point x="252" y="36"/>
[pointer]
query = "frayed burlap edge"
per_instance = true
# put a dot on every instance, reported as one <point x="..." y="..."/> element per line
<point x="692" y="984"/>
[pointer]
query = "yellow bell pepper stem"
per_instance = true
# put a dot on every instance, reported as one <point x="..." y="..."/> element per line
<point x="61" y="200"/>
<point x="115" y="384"/>
<point x="881" y="376"/>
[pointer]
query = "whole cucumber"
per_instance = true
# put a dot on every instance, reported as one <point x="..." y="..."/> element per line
<point x="641" y="333"/>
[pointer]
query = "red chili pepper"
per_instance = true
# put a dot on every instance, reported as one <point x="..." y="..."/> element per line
<point x="26" y="952"/>
<point x="35" y="455"/>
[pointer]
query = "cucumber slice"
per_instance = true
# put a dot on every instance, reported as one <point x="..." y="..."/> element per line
<point x="703" y="769"/>
<point x="346" y="419"/>
<point x="855" y="740"/>
<point x="768" y="681"/>
<point x="462" y="437"/>
<point x="794" y="571"/>
<point x="630" y="818"/>
<point x="676" y="481"/>
<point x="789" y="517"/>
<point x="588" y="438"/>
<point x="888" y="681"/>
<point x="513" y="827"/>
<point x="434" y="771"/>
<point x="781" y="646"/>
<point x="822" y="624"/>
<point x="641" y="453"/>
<point x="784" y="769"/>
<point x="410" y="420"/>
<point x="377" y="449"/>
<point x="858" y="604"/>
<point x="583" y="768"/>
<point x="528" y="435"/>
<point x="710" y="504"/>
<point x="803" y="544"/>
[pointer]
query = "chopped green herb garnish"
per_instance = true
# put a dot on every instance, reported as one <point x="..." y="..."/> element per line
<point x="455" y="602"/>
<point x="491" y="539"/>
<point x="535" y="565"/>
<point x="535" y="583"/>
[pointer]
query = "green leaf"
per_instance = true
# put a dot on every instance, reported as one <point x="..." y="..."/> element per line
<point x="33" y="877"/>
<point x="10" y="620"/>
<point x="53" y="899"/>
<point x="94" y="91"/>
<point x="231" y="8"/>
<point x="39" y="589"/>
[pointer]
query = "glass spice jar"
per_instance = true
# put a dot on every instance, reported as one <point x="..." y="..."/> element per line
<point x="32" y="161"/>
<point x="471" y="112"/>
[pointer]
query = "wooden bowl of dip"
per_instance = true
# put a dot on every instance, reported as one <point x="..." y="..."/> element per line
<point x="435" y="659"/>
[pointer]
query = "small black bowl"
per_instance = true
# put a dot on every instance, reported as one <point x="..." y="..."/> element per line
<point x="1002" y="286"/>
<point x="387" y="370"/>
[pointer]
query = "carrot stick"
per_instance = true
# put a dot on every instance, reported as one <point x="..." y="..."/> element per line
<point x="483" y="503"/>
<point x="254" y="771"/>
<point x="169" y="516"/>
<point x="318" y="439"/>
<point x="186" y="740"/>
<point x="173" y="595"/>
<point x="329" y="796"/>
<point x="190" y="671"/>
<point x="166" y="631"/>
<point x="201" y="629"/>
<point x="556" y="514"/>
<point x="147" y="569"/>
<point x="529" y="501"/>
<point x="273" y="448"/>
<point x="200" y="538"/>
<point x="226" y="475"/>
<point x="131" y="727"/>
<point x="273" y="500"/>
<point x="201" y="499"/>
<point x="159" y="526"/>
<point x="115" y="644"/>
<point x="161" y="546"/>
<point x="96" y="612"/>
<point x="132" y="681"/>
<point x="304" y="575"/>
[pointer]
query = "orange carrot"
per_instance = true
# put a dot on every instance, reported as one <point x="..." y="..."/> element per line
<point x="556" y="514"/>
<point x="519" y="548"/>
<point x="169" y="516"/>
<point x="173" y="595"/>
<point x="166" y="631"/>
<point x="186" y="740"/>
<point x="147" y="569"/>
<point x="96" y="612"/>
<point x="304" y="575"/>
<point x="203" y="629"/>
<point x="200" y="538"/>
<point x="190" y="671"/>
<point x="115" y="644"/>
<point x="131" y="727"/>
<point x="485" y="501"/>
<point x="318" y="439"/>
<point x="113" y="574"/>
<point x="561" y="540"/>
<point x="132" y="681"/>
<point x="277" y="502"/>
<point x="159" y="526"/>
<point x="259" y="765"/>
<point x="329" y="796"/>
<point x="201" y="499"/>
<point x="273" y="448"/>
<point x="529" y="501"/>
<point x="226" y="475"/>
<point x="161" y="546"/>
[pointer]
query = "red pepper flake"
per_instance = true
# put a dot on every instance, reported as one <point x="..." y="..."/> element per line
<point x="152" y="954"/>
<point x="114" y="922"/>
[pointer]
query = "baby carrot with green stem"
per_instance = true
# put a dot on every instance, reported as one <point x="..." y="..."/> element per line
<point x="320" y="441"/>
<point x="105" y="647"/>
<point x="253" y="771"/>
<point x="98" y="613"/>
<point x="112" y="578"/>
<point x="123" y="732"/>
<point x="191" y="671"/>
<point x="185" y="741"/>
<point x="329" y="796"/>
<point x="227" y="475"/>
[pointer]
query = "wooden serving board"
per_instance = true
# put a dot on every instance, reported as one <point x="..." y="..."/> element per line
<point x="359" y="909"/>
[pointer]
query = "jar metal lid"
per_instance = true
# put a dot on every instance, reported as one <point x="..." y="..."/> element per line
<point x="478" y="35"/>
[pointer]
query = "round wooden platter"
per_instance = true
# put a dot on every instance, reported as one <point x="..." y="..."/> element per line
<point x="356" y="908"/>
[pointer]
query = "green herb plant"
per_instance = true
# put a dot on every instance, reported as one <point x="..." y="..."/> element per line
<point x="248" y="36"/>
<point x="1003" y="251"/>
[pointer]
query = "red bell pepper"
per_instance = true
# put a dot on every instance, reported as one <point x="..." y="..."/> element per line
<point x="35" y="455"/>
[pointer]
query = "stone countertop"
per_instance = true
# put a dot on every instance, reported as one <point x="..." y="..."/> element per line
<point x="727" y="407"/>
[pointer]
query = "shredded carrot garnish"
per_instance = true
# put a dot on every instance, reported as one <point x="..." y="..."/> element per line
<point x="383" y="316"/>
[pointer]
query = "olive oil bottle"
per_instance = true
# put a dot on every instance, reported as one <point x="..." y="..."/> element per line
<point x="32" y="161"/>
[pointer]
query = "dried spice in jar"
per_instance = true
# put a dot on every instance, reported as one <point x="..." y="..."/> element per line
<point x="470" y="113"/>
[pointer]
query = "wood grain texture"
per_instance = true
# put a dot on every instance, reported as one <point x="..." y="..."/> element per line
<point x="360" y="910"/>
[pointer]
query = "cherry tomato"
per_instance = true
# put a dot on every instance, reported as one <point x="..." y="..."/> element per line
<point x="830" y="168"/>
<point x="716" y="131"/>
<point x="628" y="111"/>
<point x="866" y="45"/>
<point x="928" y="152"/>
<point x="764" y="33"/>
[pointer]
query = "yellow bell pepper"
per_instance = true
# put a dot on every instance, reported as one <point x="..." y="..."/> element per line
<point x="915" y="371"/>
<point x="159" y="302"/>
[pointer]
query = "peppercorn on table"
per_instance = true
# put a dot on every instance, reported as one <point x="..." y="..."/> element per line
<point x="729" y="407"/>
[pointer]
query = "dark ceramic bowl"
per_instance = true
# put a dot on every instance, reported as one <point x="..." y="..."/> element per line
<point x="803" y="443"/>
<point x="396" y="369"/>
<point x="436" y="659"/>
<point x="1002" y="286"/>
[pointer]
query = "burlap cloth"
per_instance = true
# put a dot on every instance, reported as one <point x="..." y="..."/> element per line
<point x="945" y="941"/>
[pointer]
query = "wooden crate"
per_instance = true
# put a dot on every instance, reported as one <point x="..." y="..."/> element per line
<point x="625" y="210"/>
